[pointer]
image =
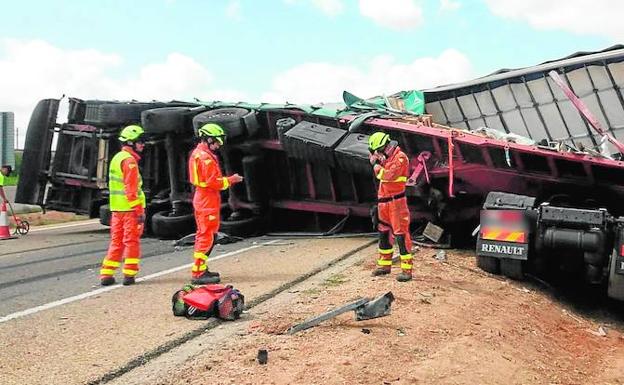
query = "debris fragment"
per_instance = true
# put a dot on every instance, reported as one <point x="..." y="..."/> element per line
<point x="601" y="332"/>
<point x="401" y="332"/>
<point x="366" y="331"/>
<point x="364" y="309"/>
<point x="441" y="255"/>
<point x="263" y="356"/>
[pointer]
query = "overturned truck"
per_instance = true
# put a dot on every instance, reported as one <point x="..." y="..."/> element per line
<point x="306" y="167"/>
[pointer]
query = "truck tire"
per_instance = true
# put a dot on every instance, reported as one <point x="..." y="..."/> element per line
<point x="512" y="268"/>
<point x="236" y="122"/>
<point x="169" y="119"/>
<point x="244" y="228"/>
<point x="117" y="114"/>
<point x="41" y="122"/>
<point x="165" y="226"/>
<point x="105" y="215"/>
<point x="489" y="264"/>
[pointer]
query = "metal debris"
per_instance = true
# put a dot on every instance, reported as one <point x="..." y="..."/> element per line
<point x="364" y="308"/>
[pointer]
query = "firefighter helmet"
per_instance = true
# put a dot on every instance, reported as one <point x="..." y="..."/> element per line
<point x="213" y="131"/>
<point x="131" y="133"/>
<point x="378" y="141"/>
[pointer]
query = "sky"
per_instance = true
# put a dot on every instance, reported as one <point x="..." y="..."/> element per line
<point x="300" y="51"/>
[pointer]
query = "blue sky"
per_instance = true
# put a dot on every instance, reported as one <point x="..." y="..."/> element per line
<point x="296" y="50"/>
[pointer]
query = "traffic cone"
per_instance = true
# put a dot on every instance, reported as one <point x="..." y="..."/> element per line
<point x="5" y="233"/>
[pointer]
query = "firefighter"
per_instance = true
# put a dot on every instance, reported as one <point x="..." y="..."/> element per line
<point x="205" y="175"/>
<point x="127" y="204"/>
<point x="391" y="168"/>
<point x="4" y="171"/>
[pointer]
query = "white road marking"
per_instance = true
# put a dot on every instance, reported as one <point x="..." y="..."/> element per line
<point x="55" y="227"/>
<point x="88" y="294"/>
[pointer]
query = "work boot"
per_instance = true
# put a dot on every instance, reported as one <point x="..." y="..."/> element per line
<point x="129" y="281"/>
<point x="380" y="271"/>
<point x="107" y="281"/>
<point x="206" y="278"/>
<point x="404" y="277"/>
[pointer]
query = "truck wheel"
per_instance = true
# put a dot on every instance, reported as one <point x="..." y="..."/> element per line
<point x="168" y="119"/>
<point x="236" y="122"/>
<point x="41" y="121"/>
<point x="116" y="114"/>
<point x="244" y="228"/>
<point x="165" y="226"/>
<point x="489" y="264"/>
<point x="105" y="215"/>
<point x="512" y="268"/>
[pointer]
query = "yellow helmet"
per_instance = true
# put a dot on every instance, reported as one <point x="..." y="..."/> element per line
<point x="131" y="133"/>
<point x="212" y="130"/>
<point x="377" y="141"/>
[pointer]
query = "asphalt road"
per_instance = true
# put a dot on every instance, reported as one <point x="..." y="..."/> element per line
<point x="60" y="261"/>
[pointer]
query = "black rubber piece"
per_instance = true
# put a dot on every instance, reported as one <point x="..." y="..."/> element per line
<point x="36" y="150"/>
<point x="105" y="215"/>
<point x="236" y="122"/>
<point x="512" y="268"/>
<point x="165" y="226"/>
<point x="169" y="119"/>
<point x="489" y="264"/>
<point x="245" y="228"/>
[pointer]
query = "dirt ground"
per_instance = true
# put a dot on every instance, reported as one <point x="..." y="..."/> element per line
<point x="49" y="218"/>
<point x="452" y="325"/>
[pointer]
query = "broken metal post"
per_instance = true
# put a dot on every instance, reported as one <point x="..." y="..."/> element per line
<point x="364" y="309"/>
<point x="325" y="316"/>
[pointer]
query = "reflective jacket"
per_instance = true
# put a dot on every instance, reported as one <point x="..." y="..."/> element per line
<point x="205" y="175"/>
<point x="392" y="174"/>
<point x="125" y="182"/>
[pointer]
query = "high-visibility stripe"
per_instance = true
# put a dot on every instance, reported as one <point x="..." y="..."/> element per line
<point x="226" y="184"/>
<point x="196" y="268"/>
<point x="504" y="236"/>
<point x="401" y="179"/>
<point x="135" y="202"/>
<point x="406" y="266"/>
<point x="386" y="251"/>
<point x="132" y="261"/>
<point x="117" y="192"/>
<point x="130" y="272"/>
<point x="199" y="255"/>
<point x="405" y="257"/>
<point x="196" y="180"/>
<point x="107" y="272"/>
<point x="109" y="263"/>
<point x="380" y="174"/>
<point x="384" y="262"/>
<point x="115" y="179"/>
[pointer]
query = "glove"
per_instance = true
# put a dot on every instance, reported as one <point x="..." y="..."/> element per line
<point x="140" y="214"/>
<point x="235" y="179"/>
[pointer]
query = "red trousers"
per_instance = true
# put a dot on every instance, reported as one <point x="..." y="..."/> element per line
<point x="125" y="243"/>
<point x="394" y="221"/>
<point x="207" y="227"/>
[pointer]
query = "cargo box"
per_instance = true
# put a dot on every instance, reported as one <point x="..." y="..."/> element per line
<point x="352" y="154"/>
<point x="313" y="142"/>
